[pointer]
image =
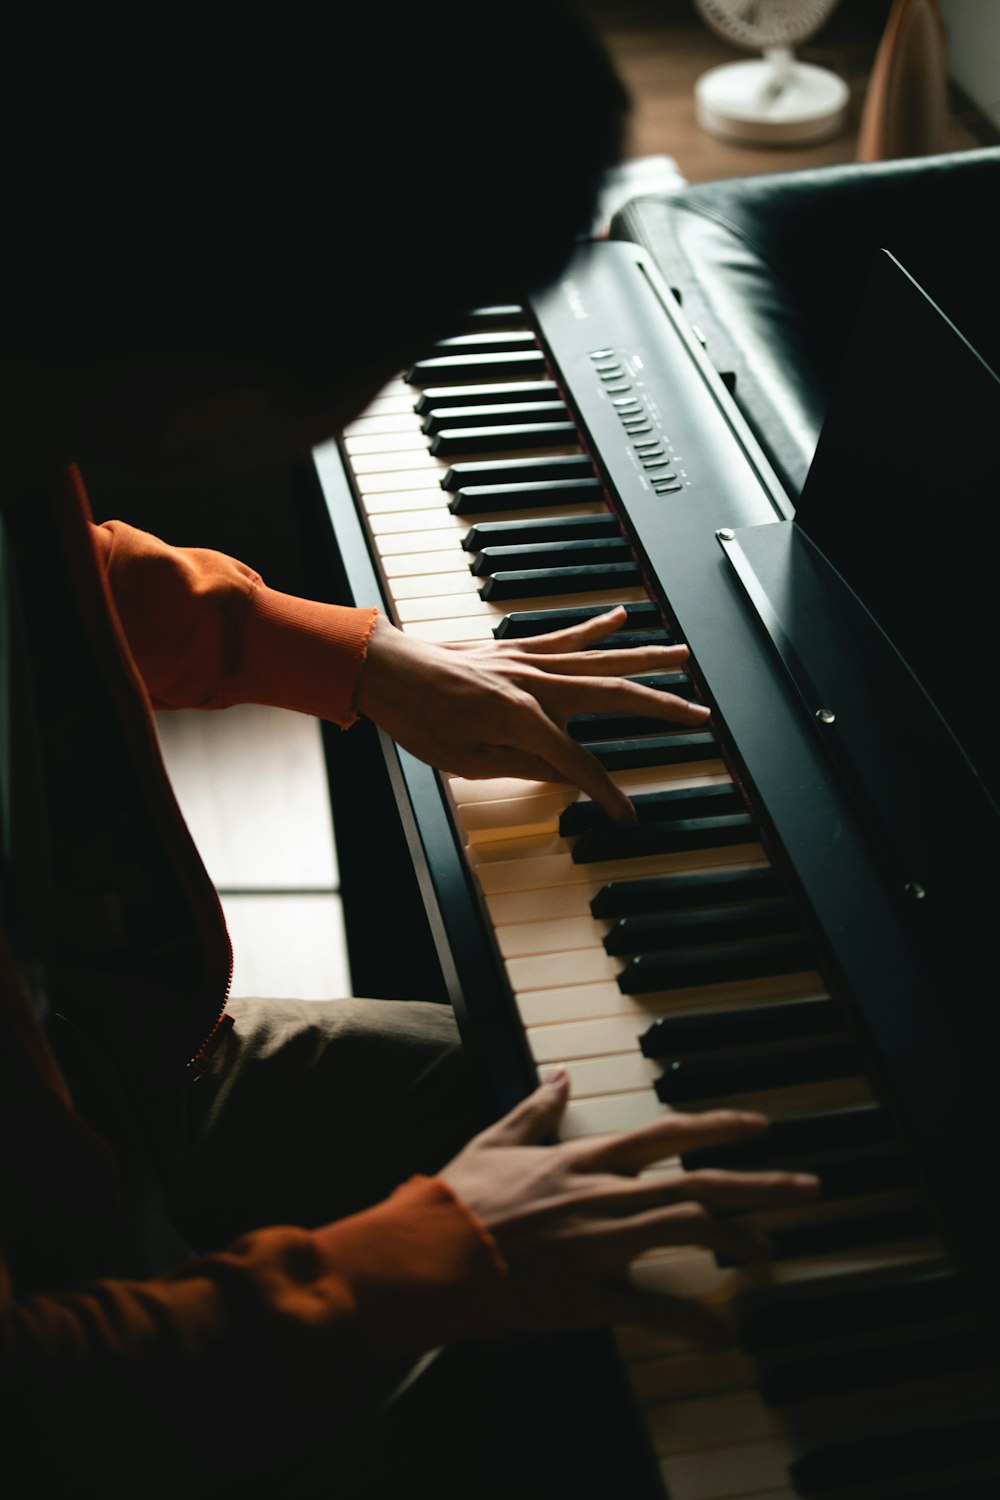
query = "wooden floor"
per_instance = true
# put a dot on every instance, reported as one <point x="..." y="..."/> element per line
<point x="251" y="781"/>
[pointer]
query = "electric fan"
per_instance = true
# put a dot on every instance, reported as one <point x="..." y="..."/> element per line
<point x="773" y="99"/>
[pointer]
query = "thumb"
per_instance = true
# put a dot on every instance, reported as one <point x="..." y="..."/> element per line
<point x="536" y="1116"/>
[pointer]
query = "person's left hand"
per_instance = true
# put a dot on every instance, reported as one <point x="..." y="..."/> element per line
<point x="500" y="708"/>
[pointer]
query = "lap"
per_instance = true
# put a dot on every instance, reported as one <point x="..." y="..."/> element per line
<point x="315" y="1109"/>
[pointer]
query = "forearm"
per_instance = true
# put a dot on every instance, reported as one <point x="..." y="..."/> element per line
<point x="205" y="631"/>
<point x="275" y="1337"/>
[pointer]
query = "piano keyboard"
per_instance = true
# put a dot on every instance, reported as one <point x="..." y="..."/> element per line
<point x="665" y="966"/>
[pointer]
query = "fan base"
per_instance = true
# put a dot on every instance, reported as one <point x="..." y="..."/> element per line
<point x="743" y="102"/>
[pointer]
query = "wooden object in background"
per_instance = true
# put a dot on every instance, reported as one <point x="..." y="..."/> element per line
<point x="905" y="111"/>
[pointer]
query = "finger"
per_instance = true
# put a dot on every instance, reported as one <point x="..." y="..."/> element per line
<point x="620" y="695"/>
<point x="715" y="1189"/>
<point x="672" y="1136"/>
<point x="554" y="654"/>
<point x="573" y="763"/>
<point x="579" y="637"/>
<point x="612" y="1240"/>
<point x="535" y="1117"/>
<point x="732" y="1191"/>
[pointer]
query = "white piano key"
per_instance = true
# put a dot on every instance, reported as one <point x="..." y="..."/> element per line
<point x="512" y="817"/>
<point x="502" y="790"/>
<point x="542" y="971"/>
<point x="680" y="1376"/>
<point x="396" y="482"/>
<point x="602" y="1114"/>
<point x="365" y="447"/>
<point x="389" y="416"/>
<point x="726" y="1473"/>
<point x="610" y="1074"/>
<point x="551" y="935"/>
<point x="440" y="539"/>
<point x="700" y="1423"/>
<point x="581" y="1002"/>
<point x="501" y="869"/>
<point x="610" y="1034"/>
<point x="451" y="632"/>
<point x="435" y="593"/>
<point x="561" y="901"/>
<point x="430" y="560"/>
<point x="386" y="525"/>
<point x="370" y="466"/>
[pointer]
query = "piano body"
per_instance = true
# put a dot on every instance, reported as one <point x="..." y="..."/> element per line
<point x="785" y="928"/>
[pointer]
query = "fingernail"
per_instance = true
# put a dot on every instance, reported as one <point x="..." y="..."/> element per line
<point x="556" y="1078"/>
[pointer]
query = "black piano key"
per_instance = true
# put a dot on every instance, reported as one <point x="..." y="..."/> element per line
<point x="623" y="898"/>
<point x="537" y="583"/>
<point x="864" y="1175"/>
<point x="500" y="438"/>
<point x="446" y="368"/>
<point x="588" y="728"/>
<point x="437" y="398"/>
<point x="780" y="1323"/>
<point x="826" y="1237"/>
<point x="602" y="726"/>
<point x="698" y="926"/>
<point x="633" y="840"/>
<point x="497" y="414"/>
<point x="873" y="1366"/>
<point x="654" y="750"/>
<point x="741" y="1024"/>
<point x="522" y="471"/>
<point x="485" y="341"/>
<point x="716" y="1075"/>
<point x="538" y="529"/>
<point x="923" y="1455"/>
<point x="648" y="972"/>
<point x="656" y="807"/>
<point x="642" y="618"/>
<point x="562" y="553"/>
<point x="483" y="499"/>
<point x="800" y="1138"/>
<point x="627" y="640"/>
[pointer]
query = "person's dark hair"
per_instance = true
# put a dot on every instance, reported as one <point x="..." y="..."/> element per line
<point x="294" y="182"/>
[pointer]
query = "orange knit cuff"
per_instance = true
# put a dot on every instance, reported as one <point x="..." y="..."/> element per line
<point x="300" y="654"/>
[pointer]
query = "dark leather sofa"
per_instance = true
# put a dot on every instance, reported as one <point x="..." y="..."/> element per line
<point x="769" y="268"/>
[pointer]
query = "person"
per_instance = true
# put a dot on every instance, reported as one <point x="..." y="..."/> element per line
<point x="231" y="1229"/>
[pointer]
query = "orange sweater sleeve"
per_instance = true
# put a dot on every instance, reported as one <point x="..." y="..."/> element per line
<point x="274" y="1337"/>
<point x="205" y="631"/>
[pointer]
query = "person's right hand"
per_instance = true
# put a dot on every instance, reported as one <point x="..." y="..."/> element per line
<point x="568" y="1218"/>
